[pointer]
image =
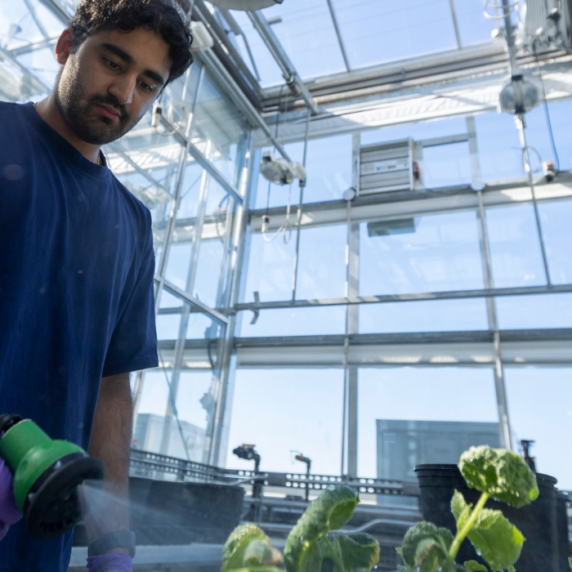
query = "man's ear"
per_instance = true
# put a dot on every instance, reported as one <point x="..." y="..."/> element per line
<point x="63" y="46"/>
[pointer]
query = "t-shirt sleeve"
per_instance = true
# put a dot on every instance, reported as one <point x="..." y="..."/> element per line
<point x="133" y="345"/>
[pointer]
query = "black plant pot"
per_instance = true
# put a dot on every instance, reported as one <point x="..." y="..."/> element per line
<point x="562" y="501"/>
<point x="537" y="521"/>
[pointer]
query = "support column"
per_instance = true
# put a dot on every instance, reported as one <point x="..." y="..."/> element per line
<point x="502" y="403"/>
<point x="352" y="321"/>
<point x="222" y="417"/>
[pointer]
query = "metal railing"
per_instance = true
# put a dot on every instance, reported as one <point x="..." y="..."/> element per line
<point x="146" y="463"/>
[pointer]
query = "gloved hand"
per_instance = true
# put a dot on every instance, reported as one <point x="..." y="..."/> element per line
<point x="9" y="513"/>
<point x="112" y="562"/>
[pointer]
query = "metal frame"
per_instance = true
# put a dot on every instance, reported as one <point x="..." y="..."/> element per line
<point x="279" y="54"/>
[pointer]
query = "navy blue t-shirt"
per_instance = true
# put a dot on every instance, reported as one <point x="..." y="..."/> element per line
<point x="76" y="299"/>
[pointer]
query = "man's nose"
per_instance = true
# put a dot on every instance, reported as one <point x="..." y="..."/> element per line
<point x="123" y="88"/>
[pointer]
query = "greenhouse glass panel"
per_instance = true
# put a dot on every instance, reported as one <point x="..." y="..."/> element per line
<point x="444" y="407"/>
<point x="424" y="316"/>
<point x="219" y="130"/>
<point x="380" y="31"/>
<point x="474" y="28"/>
<point x="445" y="165"/>
<point x="531" y="312"/>
<point x="307" y="33"/>
<point x="321" y="320"/>
<point x="555" y="217"/>
<point x="422" y="254"/>
<point x="515" y="249"/>
<point x="322" y="268"/>
<point x="416" y="131"/>
<point x="540" y="409"/>
<point x="308" y="420"/>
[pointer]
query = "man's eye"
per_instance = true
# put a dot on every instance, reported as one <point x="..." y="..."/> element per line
<point x="146" y="86"/>
<point x="112" y="64"/>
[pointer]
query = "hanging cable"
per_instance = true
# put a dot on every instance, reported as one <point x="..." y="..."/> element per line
<point x="546" y="110"/>
<point x="286" y="228"/>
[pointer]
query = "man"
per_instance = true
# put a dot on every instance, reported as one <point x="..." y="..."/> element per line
<point x="76" y="255"/>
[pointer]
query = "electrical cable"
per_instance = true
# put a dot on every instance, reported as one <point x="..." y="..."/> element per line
<point x="286" y="228"/>
<point x="546" y="110"/>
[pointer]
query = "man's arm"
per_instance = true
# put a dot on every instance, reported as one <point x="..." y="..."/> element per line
<point x="110" y="443"/>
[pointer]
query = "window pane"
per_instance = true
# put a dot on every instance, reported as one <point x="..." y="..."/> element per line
<point x="384" y="31"/>
<point x="307" y="34"/>
<point x="515" y="250"/>
<point x="424" y="254"/>
<point x="540" y="409"/>
<point x="555" y="219"/>
<point x="329" y="168"/>
<point x="463" y="396"/>
<point x="295" y="322"/>
<point x="270" y="268"/>
<point x="423" y="316"/>
<point x="322" y="267"/>
<point x="500" y="152"/>
<point x="445" y="165"/>
<point x="474" y="28"/>
<point x="540" y="311"/>
<point x="219" y="130"/>
<point x="308" y="419"/>
<point x="417" y="131"/>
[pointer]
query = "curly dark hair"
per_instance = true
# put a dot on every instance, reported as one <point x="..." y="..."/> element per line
<point x="164" y="17"/>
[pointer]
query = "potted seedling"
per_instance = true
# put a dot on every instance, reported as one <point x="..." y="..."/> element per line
<point x="310" y="547"/>
<point x="497" y="474"/>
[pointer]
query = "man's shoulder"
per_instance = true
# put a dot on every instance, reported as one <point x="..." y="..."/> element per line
<point x="140" y="214"/>
<point x="10" y="114"/>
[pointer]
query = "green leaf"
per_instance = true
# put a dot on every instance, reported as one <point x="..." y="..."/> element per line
<point x="570" y="562"/>
<point x="426" y="546"/>
<point x="511" y="569"/>
<point x="497" y="540"/>
<point x="330" y="511"/>
<point x="474" y="566"/>
<point x="359" y="551"/>
<point x="237" y="544"/>
<point x="501" y="474"/>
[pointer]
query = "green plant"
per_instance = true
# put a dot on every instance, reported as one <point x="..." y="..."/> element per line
<point x="498" y="474"/>
<point x="308" y="548"/>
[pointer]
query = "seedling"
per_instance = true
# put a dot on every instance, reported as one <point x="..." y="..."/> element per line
<point x="497" y="474"/>
<point x="308" y="548"/>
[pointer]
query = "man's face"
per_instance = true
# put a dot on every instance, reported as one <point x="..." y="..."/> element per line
<point x="110" y="82"/>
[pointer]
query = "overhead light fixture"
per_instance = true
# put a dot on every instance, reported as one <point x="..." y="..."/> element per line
<point x="519" y="95"/>
<point x="279" y="171"/>
<point x="244" y="5"/>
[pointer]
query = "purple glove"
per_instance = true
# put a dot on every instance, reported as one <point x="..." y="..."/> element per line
<point x="9" y="513"/>
<point x="112" y="562"/>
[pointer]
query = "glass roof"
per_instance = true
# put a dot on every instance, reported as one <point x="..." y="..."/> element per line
<point x="371" y="32"/>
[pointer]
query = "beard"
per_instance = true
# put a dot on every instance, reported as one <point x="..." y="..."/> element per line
<point x="80" y="113"/>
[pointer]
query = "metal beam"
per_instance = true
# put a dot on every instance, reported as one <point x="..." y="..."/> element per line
<point x="279" y="54"/>
<point x="389" y="298"/>
<point x="455" y="23"/>
<point x="208" y="165"/>
<point x="239" y="99"/>
<point x="220" y="35"/>
<point x="338" y="33"/>
<point x="32" y="47"/>
<point x="214" y="314"/>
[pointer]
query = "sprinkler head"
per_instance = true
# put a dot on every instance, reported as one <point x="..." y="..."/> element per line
<point x="47" y="475"/>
